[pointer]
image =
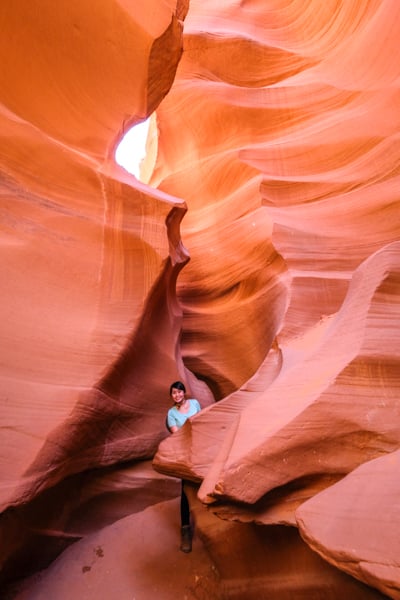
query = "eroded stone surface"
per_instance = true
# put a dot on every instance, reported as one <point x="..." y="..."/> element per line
<point x="353" y="523"/>
<point x="90" y="255"/>
<point x="310" y="426"/>
<point x="276" y="172"/>
<point x="271" y="562"/>
<point x="130" y="559"/>
<point x="317" y="136"/>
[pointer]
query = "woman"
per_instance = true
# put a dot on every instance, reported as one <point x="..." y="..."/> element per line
<point x="177" y="415"/>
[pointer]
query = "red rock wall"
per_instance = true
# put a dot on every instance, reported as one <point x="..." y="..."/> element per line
<point x="296" y="107"/>
<point x="90" y="256"/>
<point x="276" y="173"/>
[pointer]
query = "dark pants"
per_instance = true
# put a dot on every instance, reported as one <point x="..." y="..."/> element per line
<point x="185" y="511"/>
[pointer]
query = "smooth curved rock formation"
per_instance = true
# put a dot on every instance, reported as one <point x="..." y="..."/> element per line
<point x="255" y="560"/>
<point x="259" y="263"/>
<point x="123" y="561"/>
<point x="90" y="255"/>
<point x="351" y="524"/>
<point x="307" y="427"/>
<point x="318" y="135"/>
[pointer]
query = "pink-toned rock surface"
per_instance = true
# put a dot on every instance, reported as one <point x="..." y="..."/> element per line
<point x="353" y="523"/>
<point x="33" y="534"/>
<point x="89" y="255"/>
<point x="129" y="559"/>
<point x="274" y="167"/>
<point x="271" y="562"/>
<point x="276" y="98"/>
<point x="318" y="138"/>
<point x="306" y="428"/>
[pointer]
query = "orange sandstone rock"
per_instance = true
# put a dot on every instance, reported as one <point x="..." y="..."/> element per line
<point x="316" y="137"/>
<point x="352" y="524"/>
<point x="302" y="426"/>
<point x="90" y="256"/>
<point x="276" y="164"/>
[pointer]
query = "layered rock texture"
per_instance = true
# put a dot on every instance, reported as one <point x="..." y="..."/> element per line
<point x="257" y="260"/>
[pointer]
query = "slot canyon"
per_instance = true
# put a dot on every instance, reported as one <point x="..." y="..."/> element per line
<point x="256" y="258"/>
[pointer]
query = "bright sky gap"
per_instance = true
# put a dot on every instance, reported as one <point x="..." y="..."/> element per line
<point x="132" y="148"/>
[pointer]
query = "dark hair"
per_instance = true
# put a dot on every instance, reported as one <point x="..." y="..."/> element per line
<point x="178" y="385"/>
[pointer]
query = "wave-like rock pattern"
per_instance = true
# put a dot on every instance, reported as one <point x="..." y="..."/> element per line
<point x="339" y="523"/>
<point x="261" y="265"/>
<point x="297" y="108"/>
<point x="90" y="255"/>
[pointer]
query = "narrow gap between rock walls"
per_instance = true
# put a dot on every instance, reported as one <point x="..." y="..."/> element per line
<point x="137" y="150"/>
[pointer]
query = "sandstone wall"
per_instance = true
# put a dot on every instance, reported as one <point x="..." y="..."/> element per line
<point x="259" y="263"/>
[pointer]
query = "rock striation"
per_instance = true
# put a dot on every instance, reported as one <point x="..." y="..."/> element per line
<point x="90" y="255"/>
<point x="258" y="261"/>
<point x="311" y="125"/>
<point x="345" y="523"/>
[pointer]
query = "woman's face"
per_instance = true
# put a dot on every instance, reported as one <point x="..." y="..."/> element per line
<point x="178" y="396"/>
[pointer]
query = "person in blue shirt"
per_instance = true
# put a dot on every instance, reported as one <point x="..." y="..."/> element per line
<point x="182" y="409"/>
